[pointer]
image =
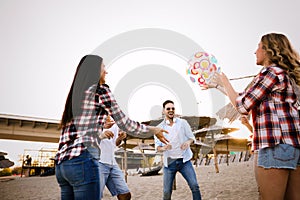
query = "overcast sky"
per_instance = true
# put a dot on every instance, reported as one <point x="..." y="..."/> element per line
<point x="43" y="41"/>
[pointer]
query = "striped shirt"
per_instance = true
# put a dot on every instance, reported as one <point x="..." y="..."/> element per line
<point x="273" y="103"/>
<point x="84" y="130"/>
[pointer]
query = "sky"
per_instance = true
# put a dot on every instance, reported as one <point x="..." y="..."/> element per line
<point x="43" y="41"/>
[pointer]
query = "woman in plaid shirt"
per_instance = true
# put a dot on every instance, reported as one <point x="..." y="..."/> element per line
<point x="88" y="104"/>
<point x="273" y="102"/>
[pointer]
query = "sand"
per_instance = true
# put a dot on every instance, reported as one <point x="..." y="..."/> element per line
<point x="235" y="181"/>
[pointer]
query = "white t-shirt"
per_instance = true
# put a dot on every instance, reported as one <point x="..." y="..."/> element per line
<point x="108" y="146"/>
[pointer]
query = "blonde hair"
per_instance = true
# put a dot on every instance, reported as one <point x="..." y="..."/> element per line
<point x="279" y="51"/>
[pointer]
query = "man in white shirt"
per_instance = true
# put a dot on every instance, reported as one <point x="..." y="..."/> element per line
<point x="177" y="153"/>
<point x="110" y="173"/>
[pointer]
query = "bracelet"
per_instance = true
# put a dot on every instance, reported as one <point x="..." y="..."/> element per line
<point x="217" y="86"/>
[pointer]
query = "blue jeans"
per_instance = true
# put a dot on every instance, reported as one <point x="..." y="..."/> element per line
<point x="187" y="171"/>
<point x="78" y="178"/>
<point x="113" y="177"/>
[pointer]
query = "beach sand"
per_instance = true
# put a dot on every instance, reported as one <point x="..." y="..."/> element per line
<point x="235" y="181"/>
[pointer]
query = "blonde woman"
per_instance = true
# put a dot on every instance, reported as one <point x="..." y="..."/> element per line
<point x="273" y="103"/>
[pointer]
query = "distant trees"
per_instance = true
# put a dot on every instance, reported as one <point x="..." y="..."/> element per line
<point x="16" y="171"/>
<point x="5" y="172"/>
<point x="9" y="171"/>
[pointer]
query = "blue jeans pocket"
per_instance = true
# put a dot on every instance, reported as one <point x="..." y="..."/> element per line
<point x="75" y="172"/>
<point x="284" y="152"/>
<point x="79" y="170"/>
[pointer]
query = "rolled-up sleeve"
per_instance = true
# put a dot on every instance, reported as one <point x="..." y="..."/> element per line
<point x="188" y="131"/>
<point x="260" y="90"/>
<point x="158" y="143"/>
<point x="240" y="106"/>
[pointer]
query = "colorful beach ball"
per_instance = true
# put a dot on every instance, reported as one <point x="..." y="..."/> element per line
<point x="202" y="67"/>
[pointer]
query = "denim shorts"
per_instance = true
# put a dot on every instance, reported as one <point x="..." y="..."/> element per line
<point x="282" y="156"/>
<point x="113" y="178"/>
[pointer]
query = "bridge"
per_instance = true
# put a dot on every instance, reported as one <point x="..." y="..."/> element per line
<point x="16" y="127"/>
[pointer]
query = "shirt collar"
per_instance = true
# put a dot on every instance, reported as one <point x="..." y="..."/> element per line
<point x="103" y="85"/>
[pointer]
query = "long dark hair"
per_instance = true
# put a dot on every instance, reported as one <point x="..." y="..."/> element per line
<point x="87" y="74"/>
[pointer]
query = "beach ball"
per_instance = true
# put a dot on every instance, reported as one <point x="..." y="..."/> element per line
<point x="202" y="67"/>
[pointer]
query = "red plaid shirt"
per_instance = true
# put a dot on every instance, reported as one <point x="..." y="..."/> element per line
<point x="274" y="109"/>
<point x="84" y="130"/>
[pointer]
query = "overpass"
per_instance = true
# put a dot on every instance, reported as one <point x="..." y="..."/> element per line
<point x="16" y="127"/>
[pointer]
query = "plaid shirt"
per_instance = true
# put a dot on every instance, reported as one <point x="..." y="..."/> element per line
<point x="274" y="109"/>
<point x="84" y="130"/>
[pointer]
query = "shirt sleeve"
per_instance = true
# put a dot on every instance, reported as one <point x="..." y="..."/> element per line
<point x="109" y="104"/>
<point x="157" y="142"/>
<point x="188" y="131"/>
<point x="260" y="90"/>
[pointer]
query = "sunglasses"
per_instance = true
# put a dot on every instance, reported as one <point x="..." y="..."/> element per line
<point x="170" y="108"/>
